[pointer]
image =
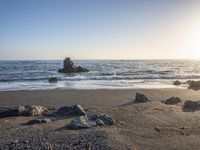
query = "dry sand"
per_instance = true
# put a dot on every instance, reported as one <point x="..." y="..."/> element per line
<point x="138" y="126"/>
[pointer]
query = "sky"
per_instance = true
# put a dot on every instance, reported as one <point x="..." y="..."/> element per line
<point x="100" y="29"/>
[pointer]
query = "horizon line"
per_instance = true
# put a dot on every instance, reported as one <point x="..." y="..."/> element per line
<point x="47" y="59"/>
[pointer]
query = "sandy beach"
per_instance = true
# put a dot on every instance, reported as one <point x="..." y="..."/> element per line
<point x="138" y="126"/>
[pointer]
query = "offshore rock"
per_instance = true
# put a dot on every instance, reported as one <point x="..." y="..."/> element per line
<point x="69" y="67"/>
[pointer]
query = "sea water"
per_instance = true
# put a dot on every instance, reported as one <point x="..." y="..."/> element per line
<point x="103" y="74"/>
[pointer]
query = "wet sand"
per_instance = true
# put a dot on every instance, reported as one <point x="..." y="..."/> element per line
<point x="138" y="126"/>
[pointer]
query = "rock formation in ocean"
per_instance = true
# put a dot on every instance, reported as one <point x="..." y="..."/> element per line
<point x="141" y="98"/>
<point x="53" y="80"/>
<point x="69" y="67"/>
<point x="89" y="121"/>
<point x="177" y="82"/>
<point x="172" y="101"/>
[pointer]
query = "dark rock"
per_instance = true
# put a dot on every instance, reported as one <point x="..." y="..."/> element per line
<point x="60" y="70"/>
<point x="191" y="106"/>
<point x="23" y="111"/>
<point x="194" y="85"/>
<point x="157" y="129"/>
<point x="177" y="83"/>
<point x="75" y="110"/>
<point x="141" y="98"/>
<point x="40" y="120"/>
<point x="53" y="80"/>
<point x="81" y="69"/>
<point x="89" y="121"/>
<point x="69" y="67"/>
<point x="188" y="82"/>
<point x="172" y="100"/>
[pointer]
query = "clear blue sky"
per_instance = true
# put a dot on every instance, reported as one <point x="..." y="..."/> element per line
<point x="98" y="29"/>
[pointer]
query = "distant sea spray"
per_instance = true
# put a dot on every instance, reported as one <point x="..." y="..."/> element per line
<point x="104" y="74"/>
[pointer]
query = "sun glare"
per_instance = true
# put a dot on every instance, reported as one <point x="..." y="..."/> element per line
<point x="192" y="44"/>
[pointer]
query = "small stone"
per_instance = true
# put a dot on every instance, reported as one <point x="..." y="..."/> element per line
<point x="157" y="129"/>
<point x="177" y="83"/>
<point x="194" y="85"/>
<point x="53" y="80"/>
<point x="172" y="100"/>
<point x="141" y="98"/>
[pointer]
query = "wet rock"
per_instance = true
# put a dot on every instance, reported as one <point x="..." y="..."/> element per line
<point x="141" y="98"/>
<point x="23" y="111"/>
<point x="177" y="83"/>
<point x="81" y="69"/>
<point x="188" y="82"/>
<point x="69" y="67"/>
<point x="53" y="80"/>
<point x="172" y="101"/>
<point x="191" y="106"/>
<point x="89" y="121"/>
<point x="194" y="85"/>
<point x="75" y="110"/>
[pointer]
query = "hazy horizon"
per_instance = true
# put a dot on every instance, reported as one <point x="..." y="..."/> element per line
<point x="99" y="30"/>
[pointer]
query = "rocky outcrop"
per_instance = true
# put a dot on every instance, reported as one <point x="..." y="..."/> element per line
<point x="61" y="113"/>
<point x="89" y="121"/>
<point x="53" y="80"/>
<point x="23" y="111"/>
<point x="75" y="110"/>
<point x="141" y="98"/>
<point x="69" y="67"/>
<point x="194" y="85"/>
<point x="172" y="101"/>
<point x="191" y="106"/>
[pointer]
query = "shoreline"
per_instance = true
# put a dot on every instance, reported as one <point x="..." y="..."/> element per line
<point x="90" y="98"/>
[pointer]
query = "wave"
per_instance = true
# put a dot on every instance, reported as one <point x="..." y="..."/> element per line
<point x="107" y="77"/>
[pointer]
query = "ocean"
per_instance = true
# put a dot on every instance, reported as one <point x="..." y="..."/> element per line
<point x="104" y="74"/>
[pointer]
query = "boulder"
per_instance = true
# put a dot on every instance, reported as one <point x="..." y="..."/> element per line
<point x="177" y="83"/>
<point x="75" y="110"/>
<point x="35" y="110"/>
<point x="141" y="98"/>
<point x="8" y="112"/>
<point x="194" y="85"/>
<point x="69" y="67"/>
<point x="172" y="101"/>
<point x="23" y="111"/>
<point x="191" y="106"/>
<point x="89" y="121"/>
<point x="53" y="80"/>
